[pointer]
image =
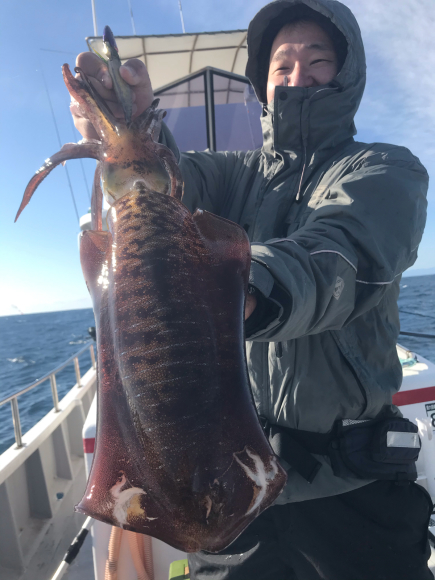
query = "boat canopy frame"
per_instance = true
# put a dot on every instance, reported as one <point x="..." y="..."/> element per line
<point x="168" y="55"/>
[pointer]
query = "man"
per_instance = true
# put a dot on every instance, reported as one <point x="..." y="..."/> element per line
<point x="333" y="223"/>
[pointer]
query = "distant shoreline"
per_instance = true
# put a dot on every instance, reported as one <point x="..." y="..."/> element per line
<point x="419" y="274"/>
<point x="43" y="312"/>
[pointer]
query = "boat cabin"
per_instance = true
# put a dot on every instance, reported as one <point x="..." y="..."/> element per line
<point x="199" y="79"/>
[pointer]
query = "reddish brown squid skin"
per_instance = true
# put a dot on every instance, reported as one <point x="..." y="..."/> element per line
<point x="175" y="417"/>
<point x="180" y="454"/>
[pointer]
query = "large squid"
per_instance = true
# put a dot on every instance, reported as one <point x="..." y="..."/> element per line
<point x="180" y="454"/>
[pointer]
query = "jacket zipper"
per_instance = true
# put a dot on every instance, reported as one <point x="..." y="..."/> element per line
<point x="305" y="141"/>
<point x="268" y="394"/>
<point x="304" y="164"/>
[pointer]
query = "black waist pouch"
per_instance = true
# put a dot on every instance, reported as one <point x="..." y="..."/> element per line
<point x="380" y="449"/>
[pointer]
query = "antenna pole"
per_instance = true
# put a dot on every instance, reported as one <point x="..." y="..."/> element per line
<point x="94" y="18"/>
<point x="132" y="18"/>
<point x="60" y="142"/>
<point x="181" y="16"/>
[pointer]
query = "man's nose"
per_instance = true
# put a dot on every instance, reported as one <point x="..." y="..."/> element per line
<point x="300" y="77"/>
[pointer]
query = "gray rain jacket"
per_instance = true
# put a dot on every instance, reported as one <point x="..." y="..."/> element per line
<point x="332" y="260"/>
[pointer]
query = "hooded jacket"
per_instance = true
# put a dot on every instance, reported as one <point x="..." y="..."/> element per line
<point x="333" y="223"/>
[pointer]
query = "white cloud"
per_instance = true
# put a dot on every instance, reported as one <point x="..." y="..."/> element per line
<point x="400" y="95"/>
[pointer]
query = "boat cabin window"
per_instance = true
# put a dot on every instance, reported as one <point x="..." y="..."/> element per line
<point x="213" y="110"/>
<point x="185" y="113"/>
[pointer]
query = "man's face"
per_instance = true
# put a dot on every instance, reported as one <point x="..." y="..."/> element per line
<point x="305" y="54"/>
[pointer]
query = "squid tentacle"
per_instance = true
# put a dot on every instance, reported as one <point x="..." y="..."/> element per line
<point x="90" y="149"/>
<point x="144" y="123"/>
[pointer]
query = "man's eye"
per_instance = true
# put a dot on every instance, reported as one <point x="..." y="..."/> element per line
<point x="319" y="60"/>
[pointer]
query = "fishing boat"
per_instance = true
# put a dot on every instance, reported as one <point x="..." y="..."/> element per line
<point x="200" y="81"/>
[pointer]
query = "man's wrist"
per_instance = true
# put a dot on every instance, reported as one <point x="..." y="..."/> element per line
<point x="262" y="315"/>
<point x="250" y="303"/>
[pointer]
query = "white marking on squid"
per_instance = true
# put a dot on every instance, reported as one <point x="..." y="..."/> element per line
<point x="123" y="499"/>
<point x="261" y="476"/>
<point x="92" y="491"/>
<point x="103" y="279"/>
<point x="114" y="254"/>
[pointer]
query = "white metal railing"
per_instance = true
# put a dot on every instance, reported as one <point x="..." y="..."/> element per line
<point x="13" y="399"/>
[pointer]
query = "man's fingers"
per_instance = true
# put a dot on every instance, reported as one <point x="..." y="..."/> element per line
<point x="107" y="95"/>
<point x="94" y="67"/>
<point x="83" y="125"/>
<point x="129" y="75"/>
<point x="135" y="73"/>
<point x="117" y="111"/>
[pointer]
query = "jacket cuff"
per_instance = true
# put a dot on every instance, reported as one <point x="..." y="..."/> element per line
<point x="264" y="314"/>
<point x="261" y="278"/>
<point x="268" y="310"/>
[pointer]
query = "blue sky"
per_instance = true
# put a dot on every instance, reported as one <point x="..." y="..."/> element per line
<point x="39" y="260"/>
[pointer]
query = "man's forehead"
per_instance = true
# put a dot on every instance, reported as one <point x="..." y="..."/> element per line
<point x="319" y="46"/>
<point x="309" y="35"/>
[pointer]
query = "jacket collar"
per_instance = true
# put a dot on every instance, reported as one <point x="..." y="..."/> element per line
<point x="312" y="120"/>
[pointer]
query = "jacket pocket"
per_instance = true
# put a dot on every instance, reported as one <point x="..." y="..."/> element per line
<point x="352" y="370"/>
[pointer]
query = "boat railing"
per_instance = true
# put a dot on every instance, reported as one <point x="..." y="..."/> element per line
<point x="13" y="399"/>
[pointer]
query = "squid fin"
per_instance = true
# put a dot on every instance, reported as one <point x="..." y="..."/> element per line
<point x="97" y="201"/>
<point x="226" y="241"/>
<point x="94" y="257"/>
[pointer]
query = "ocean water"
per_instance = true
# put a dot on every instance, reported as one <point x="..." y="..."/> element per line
<point x="32" y="345"/>
<point x="417" y="296"/>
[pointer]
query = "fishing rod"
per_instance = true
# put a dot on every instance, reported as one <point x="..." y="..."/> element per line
<point x="73" y="550"/>
<point x="181" y="16"/>
<point x="417" y="314"/>
<point x="417" y="334"/>
<point x="81" y="161"/>
<point x="132" y="17"/>
<point x="60" y="142"/>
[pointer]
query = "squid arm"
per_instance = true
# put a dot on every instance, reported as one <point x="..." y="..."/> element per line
<point x="87" y="149"/>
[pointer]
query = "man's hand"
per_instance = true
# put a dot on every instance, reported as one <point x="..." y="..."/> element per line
<point x="250" y="305"/>
<point x="134" y="72"/>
